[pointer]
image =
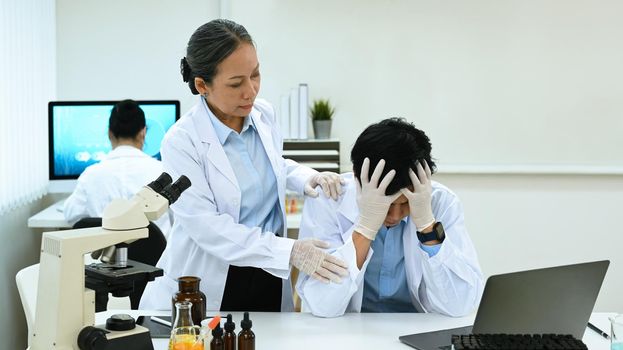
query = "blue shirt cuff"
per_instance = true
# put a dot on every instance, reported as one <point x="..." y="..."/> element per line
<point x="432" y="250"/>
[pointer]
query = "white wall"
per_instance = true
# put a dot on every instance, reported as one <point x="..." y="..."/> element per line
<point x="516" y="221"/>
<point x="539" y="80"/>
<point x="518" y="86"/>
<point x="523" y="222"/>
<point x="126" y="49"/>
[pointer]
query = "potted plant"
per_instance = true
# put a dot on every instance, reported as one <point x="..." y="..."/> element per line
<point x="321" y="114"/>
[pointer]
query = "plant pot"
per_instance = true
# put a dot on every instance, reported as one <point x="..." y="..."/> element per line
<point x="322" y="129"/>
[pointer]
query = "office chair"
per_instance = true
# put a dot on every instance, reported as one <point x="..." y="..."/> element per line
<point x="27" y="280"/>
<point x="147" y="251"/>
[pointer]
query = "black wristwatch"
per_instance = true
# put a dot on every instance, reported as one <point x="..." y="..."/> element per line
<point x="437" y="234"/>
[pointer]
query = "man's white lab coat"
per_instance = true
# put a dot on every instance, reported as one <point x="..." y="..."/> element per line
<point x="123" y="172"/>
<point x="449" y="283"/>
<point x="206" y="236"/>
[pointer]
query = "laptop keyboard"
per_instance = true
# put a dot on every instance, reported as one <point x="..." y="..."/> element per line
<point x="516" y="341"/>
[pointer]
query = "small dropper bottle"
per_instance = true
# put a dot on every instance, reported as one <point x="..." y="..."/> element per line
<point x="217" y="338"/>
<point x="230" y="337"/>
<point x="246" y="337"/>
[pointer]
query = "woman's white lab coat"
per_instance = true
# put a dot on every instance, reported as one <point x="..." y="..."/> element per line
<point x="450" y="282"/>
<point x="206" y="236"/>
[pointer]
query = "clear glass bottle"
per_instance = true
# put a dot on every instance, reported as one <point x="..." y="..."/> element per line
<point x="184" y="334"/>
<point x="189" y="291"/>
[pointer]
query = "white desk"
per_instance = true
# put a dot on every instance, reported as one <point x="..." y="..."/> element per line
<point x="49" y="218"/>
<point x="376" y="331"/>
<point x="52" y="218"/>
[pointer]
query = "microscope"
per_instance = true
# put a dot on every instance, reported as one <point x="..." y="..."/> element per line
<point x="65" y="314"/>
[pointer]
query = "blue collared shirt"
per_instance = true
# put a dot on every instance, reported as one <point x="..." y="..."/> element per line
<point x="385" y="286"/>
<point x="259" y="203"/>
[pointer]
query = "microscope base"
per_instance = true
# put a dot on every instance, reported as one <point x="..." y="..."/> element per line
<point x="99" y="338"/>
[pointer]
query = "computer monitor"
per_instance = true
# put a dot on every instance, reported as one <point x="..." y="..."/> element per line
<point x="78" y="135"/>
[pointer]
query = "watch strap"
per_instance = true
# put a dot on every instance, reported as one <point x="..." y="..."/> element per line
<point x="436" y="234"/>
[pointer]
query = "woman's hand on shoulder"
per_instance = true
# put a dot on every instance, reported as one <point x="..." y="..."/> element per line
<point x="331" y="184"/>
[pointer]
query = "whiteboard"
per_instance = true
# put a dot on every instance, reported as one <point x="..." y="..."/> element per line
<point x="495" y="84"/>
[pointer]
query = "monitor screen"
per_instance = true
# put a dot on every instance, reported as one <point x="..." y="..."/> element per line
<point x="78" y="133"/>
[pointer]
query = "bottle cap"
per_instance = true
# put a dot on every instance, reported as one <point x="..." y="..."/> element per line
<point x="246" y="323"/>
<point x="229" y="325"/>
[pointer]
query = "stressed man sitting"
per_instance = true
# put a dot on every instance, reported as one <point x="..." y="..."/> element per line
<point x="402" y="234"/>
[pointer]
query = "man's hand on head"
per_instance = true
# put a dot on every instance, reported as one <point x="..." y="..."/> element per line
<point x="420" y="199"/>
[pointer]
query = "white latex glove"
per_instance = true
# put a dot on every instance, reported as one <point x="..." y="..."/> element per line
<point x="331" y="184"/>
<point x="309" y="258"/>
<point x="371" y="199"/>
<point x="420" y="199"/>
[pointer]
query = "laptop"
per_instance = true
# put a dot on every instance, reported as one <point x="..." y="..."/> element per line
<point x="551" y="300"/>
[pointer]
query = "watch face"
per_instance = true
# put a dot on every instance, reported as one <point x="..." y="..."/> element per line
<point x="441" y="234"/>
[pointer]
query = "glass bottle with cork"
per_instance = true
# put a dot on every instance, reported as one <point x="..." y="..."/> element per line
<point x="189" y="291"/>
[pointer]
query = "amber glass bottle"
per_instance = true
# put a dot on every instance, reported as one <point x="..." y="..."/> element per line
<point x="189" y="291"/>
<point x="229" y="338"/>
<point x="217" y="339"/>
<point x="246" y="337"/>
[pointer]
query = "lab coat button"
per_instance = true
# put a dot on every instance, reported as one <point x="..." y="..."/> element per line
<point x="235" y="202"/>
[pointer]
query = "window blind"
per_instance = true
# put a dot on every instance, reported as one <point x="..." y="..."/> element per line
<point x="27" y="83"/>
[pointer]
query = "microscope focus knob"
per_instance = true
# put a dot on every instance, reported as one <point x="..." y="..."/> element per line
<point x="91" y="338"/>
<point x="120" y="322"/>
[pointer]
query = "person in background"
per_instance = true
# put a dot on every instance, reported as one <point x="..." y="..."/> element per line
<point x="122" y="173"/>
<point x="230" y="225"/>
<point x="402" y="234"/>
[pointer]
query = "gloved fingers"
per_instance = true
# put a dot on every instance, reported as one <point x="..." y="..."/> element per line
<point x="387" y="180"/>
<point x="335" y="184"/>
<point x="319" y="243"/>
<point x="324" y="184"/>
<point x="365" y="171"/>
<point x="427" y="170"/>
<point x="421" y="174"/>
<point x="334" y="187"/>
<point x="340" y="182"/>
<point x="330" y="275"/>
<point x="393" y="197"/>
<point x="334" y="268"/>
<point x="338" y="263"/>
<point x="414" y="179"/>
<point x="310" y="191"/>
<point x="338" y="186"/>
<point x="320" y="278"/>
<point x="407" y="193"/>
<point x="378" y="171"/>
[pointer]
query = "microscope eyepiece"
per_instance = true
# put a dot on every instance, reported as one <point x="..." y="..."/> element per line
<point x="173" y="191"/>
<point x="161" y="182"/>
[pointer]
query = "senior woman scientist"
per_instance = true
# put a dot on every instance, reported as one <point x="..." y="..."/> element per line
<point x="229" y="225"/>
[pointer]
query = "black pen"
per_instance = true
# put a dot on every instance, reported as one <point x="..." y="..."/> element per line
<point x="598" y="331"/>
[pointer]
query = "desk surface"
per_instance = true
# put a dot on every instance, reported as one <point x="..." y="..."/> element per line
<point x="292" y="330"/>
<point x="52" y="218"/>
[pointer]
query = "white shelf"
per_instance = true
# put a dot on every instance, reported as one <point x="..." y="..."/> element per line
<point x="321" y="152"/>
<point x="321" y="165"/>
<point x="529" y="169"/>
